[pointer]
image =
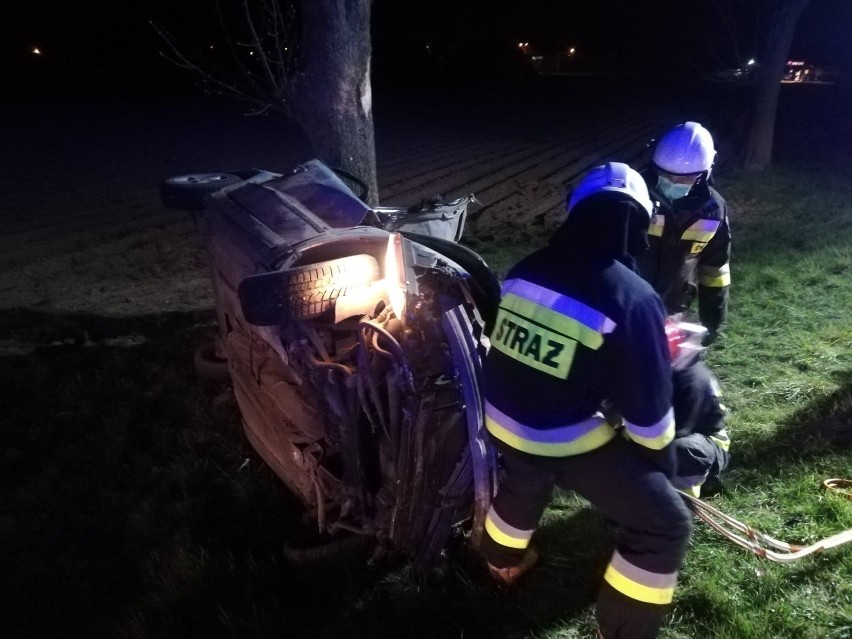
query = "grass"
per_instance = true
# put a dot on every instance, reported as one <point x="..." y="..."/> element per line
<point x="128" y="508"/>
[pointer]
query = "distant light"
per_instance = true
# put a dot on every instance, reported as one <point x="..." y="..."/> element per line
<point x="520" y="44"/>
<point x="211" y="46"/>
<point x="571" y="51"/>
<point x="36" y="51"/>
<point x="251" y="52"/>
<point x="750" y="62"/>
<point x="526" y="44"/>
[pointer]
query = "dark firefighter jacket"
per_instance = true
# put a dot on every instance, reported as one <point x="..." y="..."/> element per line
<point x="689" y="252"/>
<point x="575" y="327"/>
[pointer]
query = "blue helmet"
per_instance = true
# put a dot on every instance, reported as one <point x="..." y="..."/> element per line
<point x="613" y="177"/>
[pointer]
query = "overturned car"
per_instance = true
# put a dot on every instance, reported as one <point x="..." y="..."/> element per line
<point x="353" y="338"/>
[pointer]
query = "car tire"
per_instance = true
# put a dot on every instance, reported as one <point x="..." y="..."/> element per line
<point x="187" y="192"/>
<point x="303" y="292"/>
<point x="209" y="366"/>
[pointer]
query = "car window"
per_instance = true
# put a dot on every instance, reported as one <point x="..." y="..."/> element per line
<point x="323" y="194"/>
<point x="284" y="221"/>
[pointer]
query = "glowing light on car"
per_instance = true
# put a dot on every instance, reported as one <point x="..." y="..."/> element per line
<point x="751" y="62"/>
<point x="36" y="51"/>
<point x="350" y="279"/>
<point x="395" y="275"/>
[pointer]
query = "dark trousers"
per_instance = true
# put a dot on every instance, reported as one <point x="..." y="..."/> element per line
<point x="701" y="441"/>
<point x="626" y="488"/>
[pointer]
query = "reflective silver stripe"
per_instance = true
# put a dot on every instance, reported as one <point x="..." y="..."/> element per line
<point x="714" y="277"/>
<point x="559" y="434"/>
<point x="715" y="389"/>
<point x="685" y="483"/>
<point x="641" y="576"/>
<point x="506" y="534"/>
<point x="656" y="435"/>
<point x="585" y="315"/>
<point x="721" y="434"/>
<point x="702" y="230"/>
<point x="721" y="439"/>
<point x="562" y="441"/>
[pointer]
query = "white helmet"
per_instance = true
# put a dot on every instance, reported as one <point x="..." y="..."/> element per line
<point x="614" y="177"/>
<point x="685" y="149"/>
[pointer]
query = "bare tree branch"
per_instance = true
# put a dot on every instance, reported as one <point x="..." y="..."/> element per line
<point x="317" y="75"/>
<point x="261" y="50"/>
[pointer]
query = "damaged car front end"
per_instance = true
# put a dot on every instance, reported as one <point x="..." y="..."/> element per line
<point x="353" y="338"/>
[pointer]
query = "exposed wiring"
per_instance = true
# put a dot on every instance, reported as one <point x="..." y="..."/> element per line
<point x="371" y="386"/>
<point x="396" y="350"/>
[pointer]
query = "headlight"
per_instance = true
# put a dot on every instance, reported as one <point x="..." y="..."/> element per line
<point x="395" y="275"/>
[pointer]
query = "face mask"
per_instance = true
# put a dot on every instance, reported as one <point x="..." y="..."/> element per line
<point x="671" y="190"/>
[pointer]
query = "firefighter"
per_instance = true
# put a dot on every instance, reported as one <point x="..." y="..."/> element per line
<point x="689" y="246"/>
<point x="689" y="237"/>
<point x="577" y="327"/>
<point x="701" y="442"/>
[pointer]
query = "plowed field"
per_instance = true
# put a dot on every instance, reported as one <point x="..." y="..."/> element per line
<point x="83" y="229"/>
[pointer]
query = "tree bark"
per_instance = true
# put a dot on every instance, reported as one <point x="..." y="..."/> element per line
<point x="331" y="93"/>
<point x="758" y="147"/>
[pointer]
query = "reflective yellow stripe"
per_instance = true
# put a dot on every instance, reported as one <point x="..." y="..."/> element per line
<point x="695" y="235"/>
<point x="502" y="538"/>
<point x="721" y="439"/>
<point x="695" y="491"/>
<point x="658" y="223"/>
<point x="702" y="231"/>
<point x="714" y="277"/>
<point x="654" y="443"/>
<point x="553" y="320"/>
<point x="654" y="436"/>
<point x="583" y="444"/>
<point x="635" y="590"/>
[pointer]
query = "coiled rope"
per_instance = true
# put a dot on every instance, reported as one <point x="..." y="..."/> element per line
<point x="760" y="544"/>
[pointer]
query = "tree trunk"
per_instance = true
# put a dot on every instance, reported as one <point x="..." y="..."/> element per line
<point x="331" y="93"/>
<point x="758" y="147"/>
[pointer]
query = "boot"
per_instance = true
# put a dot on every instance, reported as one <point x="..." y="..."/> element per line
<point x="509" y="576"/>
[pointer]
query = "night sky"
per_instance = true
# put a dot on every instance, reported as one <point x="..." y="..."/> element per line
<point x="105" y="42"/>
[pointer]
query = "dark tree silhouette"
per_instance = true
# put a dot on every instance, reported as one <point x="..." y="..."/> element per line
<point x="782" y="20"/>
<point x="752" y="38"/>
<point x="308" y="60"/>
